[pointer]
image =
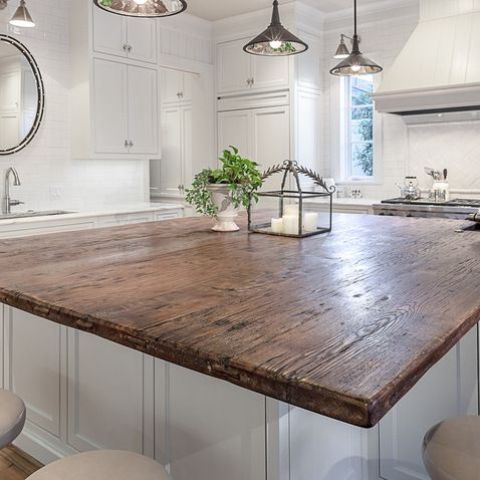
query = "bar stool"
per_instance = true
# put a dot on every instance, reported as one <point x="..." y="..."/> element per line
<point x="12" y="417"/>
<point x="102" y="465"/>
<point x="451" y="449"/>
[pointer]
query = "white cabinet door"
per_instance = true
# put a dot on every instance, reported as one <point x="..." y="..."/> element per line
<point x="449" y="389"/>
<point x="234" y="128"/>
<point x="107" y="392"/>
<point x="110" y="106"/>
<point x="271" y="136"/>
<point x="141" y="39"/>
<point x="269" y="72"/>
<point x="171" y="85"/>
<point x="34" y="363"/>
<point x="233" y="67"/>
<point x="142" y="110"/>
<point x="109" y="33"/>
<point x="207" y="429"/>
<point x="171" y="164"/>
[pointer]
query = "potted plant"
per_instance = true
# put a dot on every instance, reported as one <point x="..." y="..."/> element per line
<point x="219" y="193"/>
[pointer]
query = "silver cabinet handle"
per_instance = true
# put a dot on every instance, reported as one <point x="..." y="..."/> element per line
<point x="126" y="144"/>
<point x="252" y="82"/>
<point x="125" y="47"/>
<point x="129" y="48"/>
<point x="130" y="144"/>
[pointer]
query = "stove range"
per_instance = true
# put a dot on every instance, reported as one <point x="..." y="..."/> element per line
<point x="458" y="208"/>
<point x="457" y="202"/>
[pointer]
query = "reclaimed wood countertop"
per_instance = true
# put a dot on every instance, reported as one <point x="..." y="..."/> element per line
<point x="342" y="324"/>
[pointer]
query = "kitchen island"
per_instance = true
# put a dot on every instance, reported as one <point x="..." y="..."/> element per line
<point x="341" y="326"/>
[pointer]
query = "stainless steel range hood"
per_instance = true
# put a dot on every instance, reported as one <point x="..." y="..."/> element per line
<point x="438" y="70"/>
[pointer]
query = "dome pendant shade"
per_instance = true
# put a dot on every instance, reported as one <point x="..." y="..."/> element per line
<point x="143" y="8"/>
<point x="276" y="40"/>
<point x="22" y="17"/>
<point x="356" y="64"/>
<point x="342" y="50"/>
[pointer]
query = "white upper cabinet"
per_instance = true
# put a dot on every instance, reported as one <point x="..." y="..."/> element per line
<point x="124" y="107"/>
<point x="110" y="106"/>
<point x="109" y="33"/>
<point x="141" y="39"/>
<point x="131" y="38"/>
<point x="238" y="71"/>
<point x="176" y="86"/>
<point x="233" y="67"/>
<point x="114" y="91"/>
<point x="269" y="72"/>
<point x="142" y="110"/>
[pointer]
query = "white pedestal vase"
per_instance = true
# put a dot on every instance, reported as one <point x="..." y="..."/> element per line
<point x="227" y="213"/>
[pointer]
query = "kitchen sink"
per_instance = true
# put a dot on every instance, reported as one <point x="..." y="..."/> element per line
<point x="31" y="213"/>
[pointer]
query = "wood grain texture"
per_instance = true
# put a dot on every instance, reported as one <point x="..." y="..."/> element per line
<point x="342" y="324"/>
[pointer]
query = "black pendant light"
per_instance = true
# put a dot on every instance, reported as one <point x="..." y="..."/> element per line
<point x="143" y="8"/>
<point x="356" y="63"/>
<point x="276" y="39"/>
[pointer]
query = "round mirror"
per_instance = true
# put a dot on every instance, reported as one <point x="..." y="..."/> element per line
<point x="21" y="96"/>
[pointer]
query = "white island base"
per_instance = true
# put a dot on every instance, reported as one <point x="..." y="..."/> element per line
<point x="83" y="392"/>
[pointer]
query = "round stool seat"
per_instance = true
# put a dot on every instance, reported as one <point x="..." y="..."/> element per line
<point x="102" y="465"/>
<point x="12" y="417"/>
<point x="451" y="449"/>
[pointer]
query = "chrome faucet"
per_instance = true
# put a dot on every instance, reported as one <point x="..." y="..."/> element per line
<point x="7" y="202"/>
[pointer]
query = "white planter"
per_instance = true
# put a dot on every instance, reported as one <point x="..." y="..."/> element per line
<point x="227" y="213"/>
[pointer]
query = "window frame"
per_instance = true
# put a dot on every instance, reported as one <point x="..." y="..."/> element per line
<point x="345" y="151"/>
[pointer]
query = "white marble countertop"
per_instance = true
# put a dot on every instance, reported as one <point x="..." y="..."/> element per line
<point x="75" y="214"/>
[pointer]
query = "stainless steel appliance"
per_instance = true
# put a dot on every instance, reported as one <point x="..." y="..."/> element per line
<point x="458" y="208"/>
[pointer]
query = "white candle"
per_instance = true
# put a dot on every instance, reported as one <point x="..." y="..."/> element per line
<point x="291" y="210"/>
<point x="277" y="225"/>
<point x="290" y="224"/>
<point x="310" y="221"/>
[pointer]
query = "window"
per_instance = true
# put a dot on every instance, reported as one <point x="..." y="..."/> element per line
<point x="358" y="128"/>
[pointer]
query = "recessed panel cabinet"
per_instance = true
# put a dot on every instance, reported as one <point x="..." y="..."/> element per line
<point x="172" y="174"/>
<point x="449" y="389"/>
<point x="127" y="37"/>
<point x="35" y="367"/>
<point x="238" y="71"/>
<point x="252" y="132"/>
<point x="114" y="90"/>
<point x="106" y="394"/>
<point x="207" y="429"/>
<point x="124" y="108"/>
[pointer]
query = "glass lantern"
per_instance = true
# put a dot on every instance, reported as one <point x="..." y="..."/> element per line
<point x="288" y="215"/>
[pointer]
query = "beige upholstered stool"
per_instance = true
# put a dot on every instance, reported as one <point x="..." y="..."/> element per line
<point x="451" y="449"/>
<point x="102" y="465"/>
<point x="12" y="417"/>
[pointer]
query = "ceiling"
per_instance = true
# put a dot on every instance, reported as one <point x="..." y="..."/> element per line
<point x="217" y="9"/>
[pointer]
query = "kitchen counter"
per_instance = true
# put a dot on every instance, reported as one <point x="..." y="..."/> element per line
<point x="93" y="211"/>
<point x="343" y="324"/>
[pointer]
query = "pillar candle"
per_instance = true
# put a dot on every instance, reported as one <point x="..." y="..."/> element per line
<point x="277" y="225"/>
<point x="290" y="224"/>
<point x="310" y="221"/>
<point x="291" y="210"/>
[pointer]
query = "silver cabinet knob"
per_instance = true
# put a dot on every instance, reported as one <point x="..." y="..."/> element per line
<point x="126" y="143"/>
<point x="129" y="48"/>
<point x="130" y="144"/>
<point x="125" y="47"/>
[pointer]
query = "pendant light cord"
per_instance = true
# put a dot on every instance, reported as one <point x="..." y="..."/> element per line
<point x="355" y="17"/>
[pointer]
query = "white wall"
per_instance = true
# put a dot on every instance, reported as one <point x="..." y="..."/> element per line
<point x="50" y="179"/>
<point x="401" y="150"/>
